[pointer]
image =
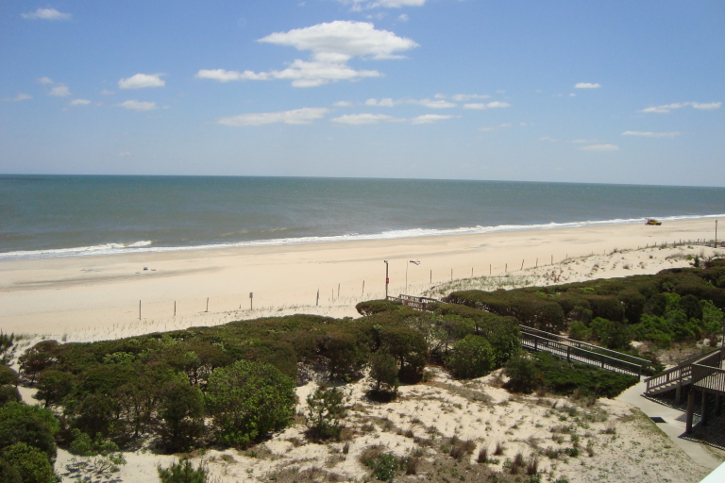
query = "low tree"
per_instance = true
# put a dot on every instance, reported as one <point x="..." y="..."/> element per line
<point x="181" y="409"/>
<point x="53" y="386"/>
<point x="471" y="357"/>
<point x="524" y="375"/>
<point x="384" y="373"/>
<point x="326" y="408"/>
<point x="32" y="425"/>
<point x="249" y="399"/>
<point x="31" y="464"/>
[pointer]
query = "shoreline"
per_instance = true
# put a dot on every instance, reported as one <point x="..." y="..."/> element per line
<point x="87" y="298"/>
<point x="145" y="246"/>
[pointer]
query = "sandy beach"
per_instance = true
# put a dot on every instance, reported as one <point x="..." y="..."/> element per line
<point x="97" y="297"/>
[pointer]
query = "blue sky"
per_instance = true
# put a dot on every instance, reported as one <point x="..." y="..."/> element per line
<point x="603" y="92"/>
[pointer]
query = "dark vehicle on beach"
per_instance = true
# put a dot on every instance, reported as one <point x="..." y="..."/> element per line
<point x="653" y="222"/>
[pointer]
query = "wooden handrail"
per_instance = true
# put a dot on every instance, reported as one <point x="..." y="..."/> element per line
<point x="586" y="346"/>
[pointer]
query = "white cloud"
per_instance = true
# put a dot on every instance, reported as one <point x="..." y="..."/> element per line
<point x="21" y="96"/>
<point x="341" y="40"/>
<point x="359" y="5"/>
<point x="571" y="94"/>
<point x="61" y="90"/>
<point x="664" y="109"/>
<point x="331" y="45"/>
<point x="547" y="138"/>
<point x="600" y="147"/>
<point x="490" y="105"/>
<point x="429" y="118"/>
<point x="297" y="116"/>
<point x="141" y="81"/>
<point x="439" y="104"/>
<point x="650" y="134"/>
<point x="495" y="128"/>
<point x="79" y="102"/>
<point x="587" y="85"/>
<point x="45" y="80"/>
<point x="138" y="105"/>
<point x="707" y="106"/>
<point x="386" y="102"/>
<point x="468" y="97"/>
<point x="403" y="18"/>
<point x="106" y="92"/>
<point x="343" y="104"/>
<point x="46" y="14"/>
<point x="365" y="118"/>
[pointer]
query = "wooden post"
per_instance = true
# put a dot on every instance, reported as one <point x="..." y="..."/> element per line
<point x="139" y="310"/>
<point x="317" y="302"/>
<point x="506" y="268"/>
<point x="522" y="265"/>
<point x="363" y="289"/>
<point x="207" y="304"/>
<point x="251" y="296"/>
<point x="552" y="259"/>
<point x="703" y="409"/>
<point x="489" y="269"/>
<point x="431" y="276"/>
<point x="537" y="263"/>
<point x="690" y="409"/>
<point x="471" y="272"/>
<point x="451" y="274"/>
<point x="338" y="290"/>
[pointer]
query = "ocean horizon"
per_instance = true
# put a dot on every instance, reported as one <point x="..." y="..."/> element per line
<point x="80" y="215"/>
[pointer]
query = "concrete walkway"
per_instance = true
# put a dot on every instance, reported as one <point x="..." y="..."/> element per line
<point x="674" y="426"/>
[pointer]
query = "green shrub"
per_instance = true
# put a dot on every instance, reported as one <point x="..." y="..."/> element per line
<point x="181" y="408"/>
<point x="606" y="307"/>
<point x="386" y="467"/>
<point x="524" y="375"/>
<point x="31" y="463"/>
<point x="578" y="331"/>
<point x="471" y="357"/>
<point x="409" y="348"/>
<point x="183" y="472"/>
<point x="384" y="373"/>
<point x="326" y="408"/>
<point x="54" y="386"/>
<point x="249" y="399"/>
<point x="504" y="336"/>
<point x="371" y="307"/>
<point x="32" y="425"/>
<point x="613" y="335"/>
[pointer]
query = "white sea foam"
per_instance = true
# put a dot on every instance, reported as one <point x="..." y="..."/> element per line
<point x="147" y="246"/>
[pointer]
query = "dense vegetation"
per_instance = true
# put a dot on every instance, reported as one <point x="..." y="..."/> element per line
<point x="233" y="385"/>
<point x="676" y="305"/>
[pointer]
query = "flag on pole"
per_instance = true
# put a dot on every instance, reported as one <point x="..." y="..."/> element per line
<point x="416" y="262"/>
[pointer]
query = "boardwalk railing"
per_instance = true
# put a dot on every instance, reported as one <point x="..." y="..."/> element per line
<point x="575" y="354"/>
<point x="417" y="303"/>
<point x="644" y="363"/>
<point x="683" y="373"/>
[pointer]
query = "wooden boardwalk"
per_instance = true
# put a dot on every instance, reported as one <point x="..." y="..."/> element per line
<point x="561" y="347"/>
<point x="703" y="374"/>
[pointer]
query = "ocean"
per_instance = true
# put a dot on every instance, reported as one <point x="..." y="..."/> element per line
<point x="60" y="216"/>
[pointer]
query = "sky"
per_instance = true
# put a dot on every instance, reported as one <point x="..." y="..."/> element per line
<point x="597" y="92"/>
